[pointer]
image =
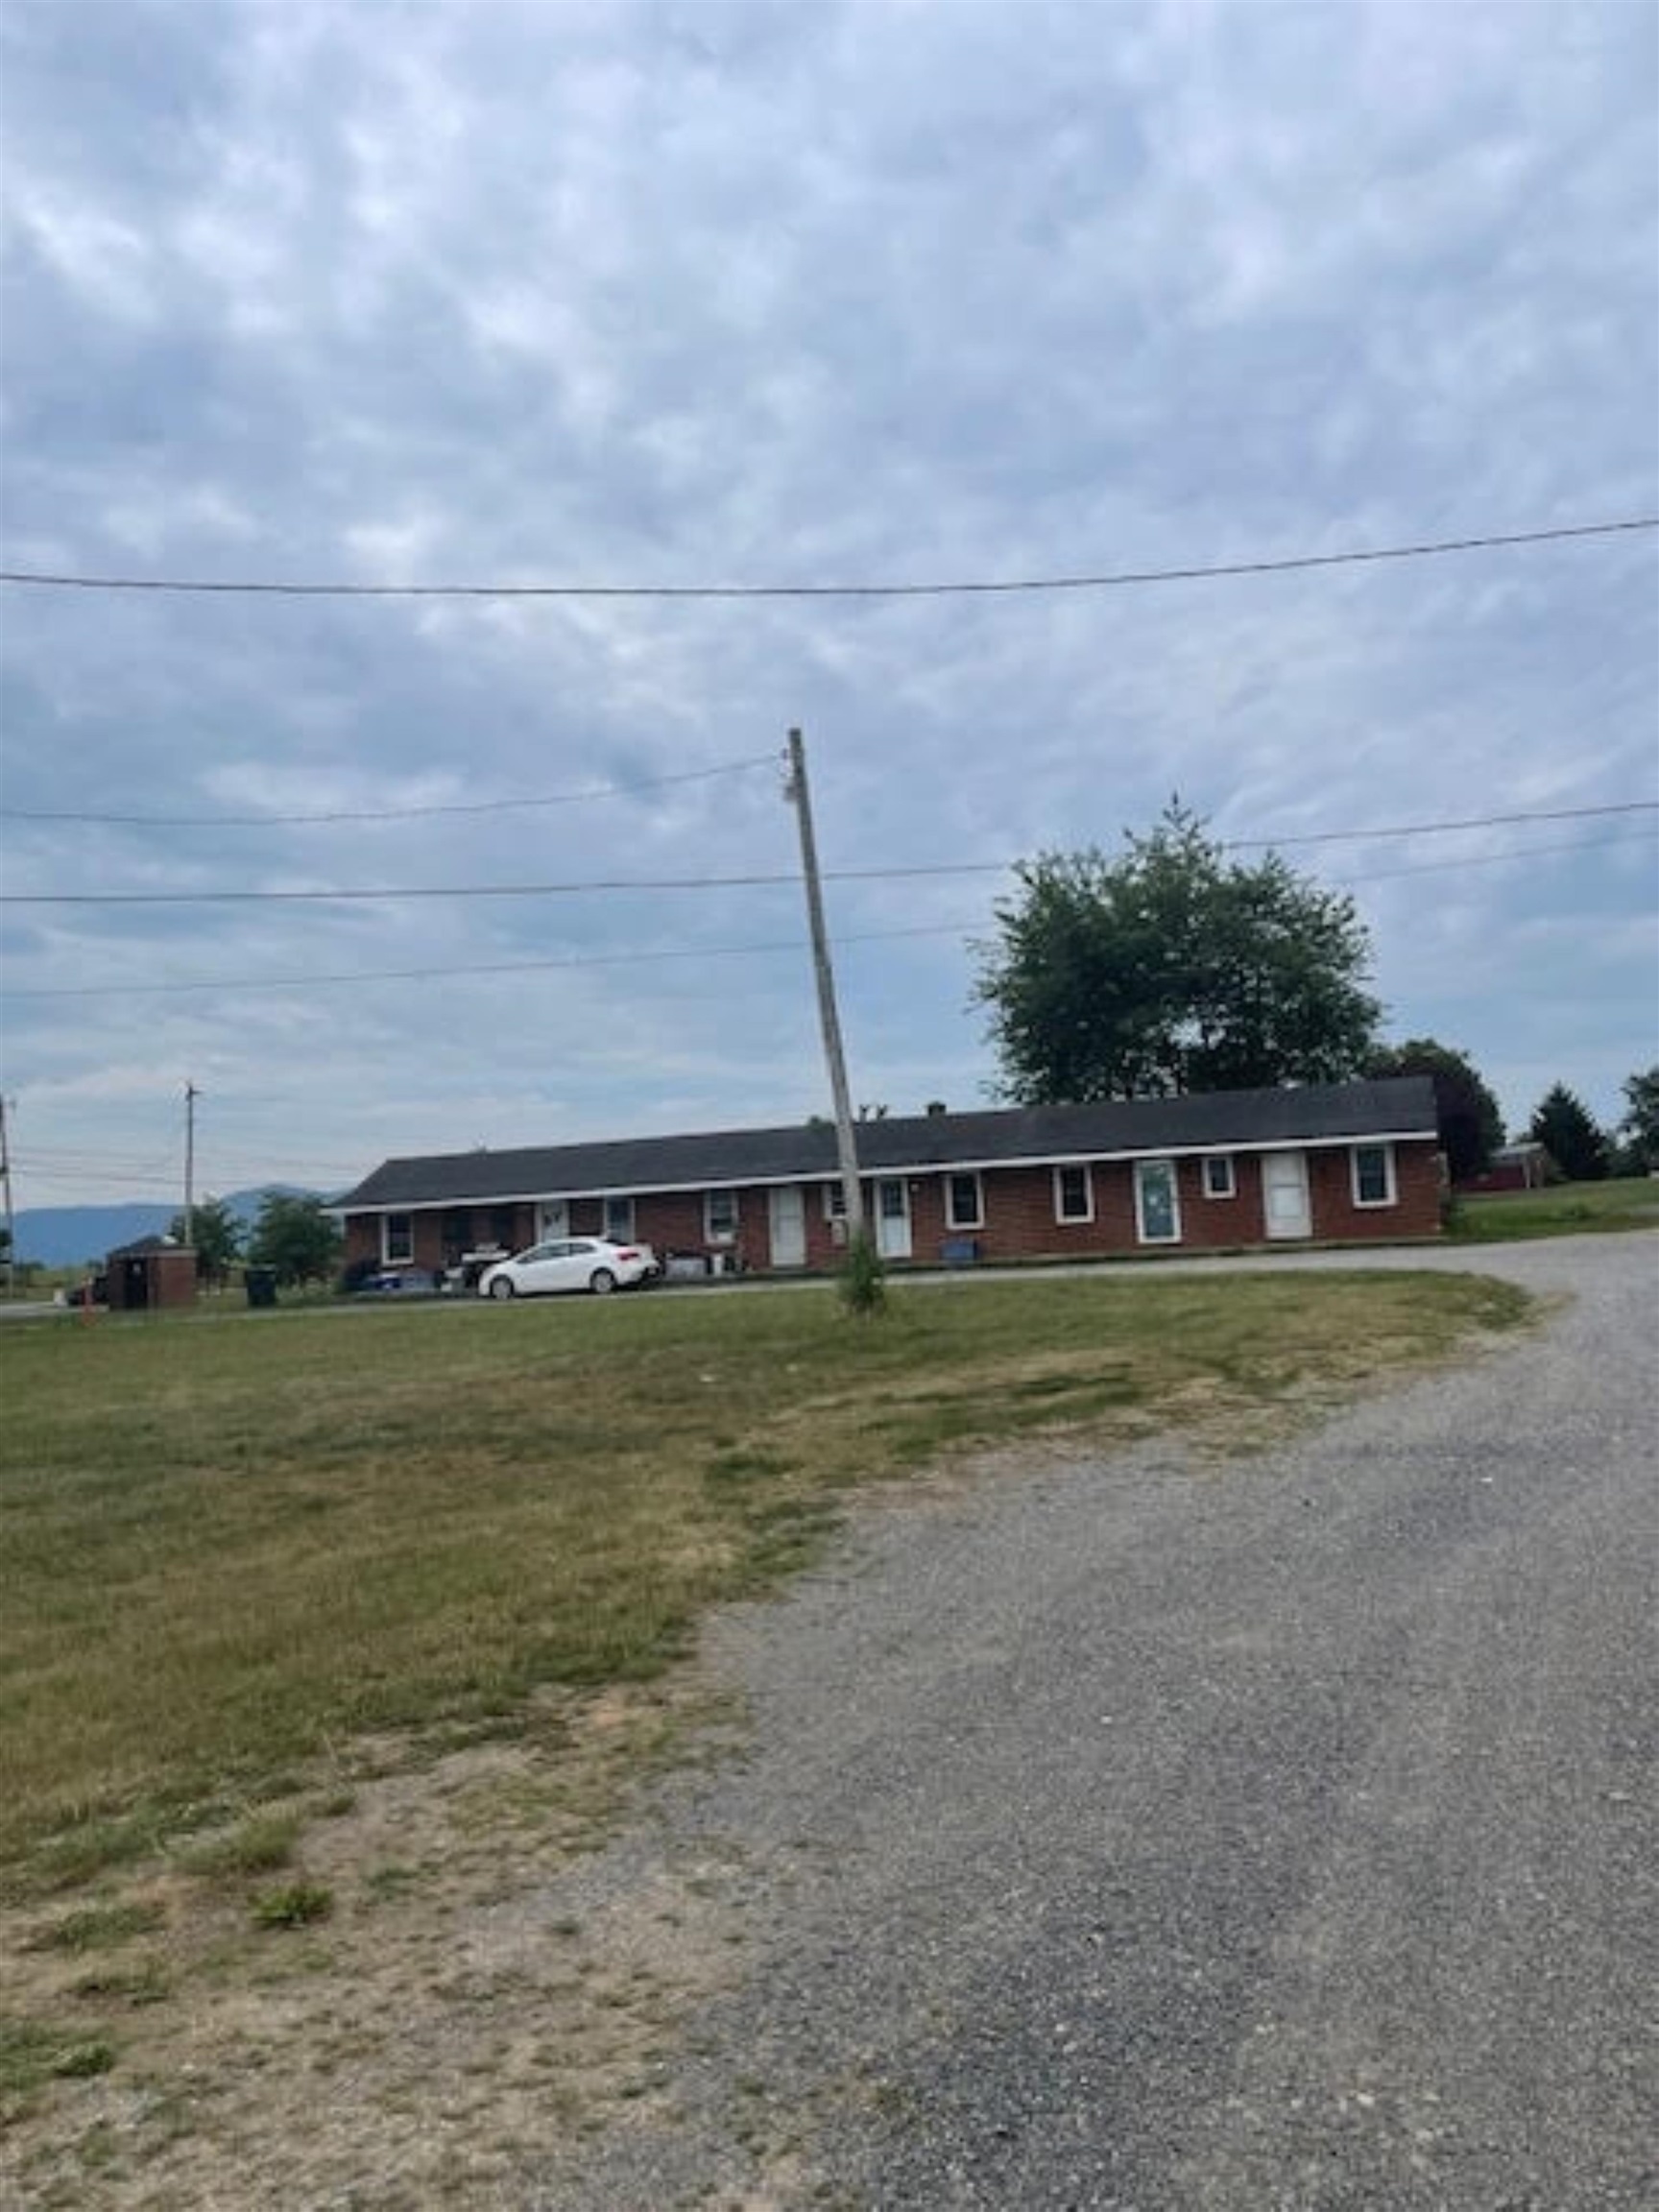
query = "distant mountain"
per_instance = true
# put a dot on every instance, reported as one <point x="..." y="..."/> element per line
<point x="72" y="1236"/>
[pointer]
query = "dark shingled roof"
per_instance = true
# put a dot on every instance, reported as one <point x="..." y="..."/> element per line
<point x="1220" y="1121"/>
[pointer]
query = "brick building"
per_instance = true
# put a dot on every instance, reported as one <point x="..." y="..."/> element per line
<point x="1321" y="1164"/>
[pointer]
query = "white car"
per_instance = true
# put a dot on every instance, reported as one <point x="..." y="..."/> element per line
<point x="569" y="1264"/>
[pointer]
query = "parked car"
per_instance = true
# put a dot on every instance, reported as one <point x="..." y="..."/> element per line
<point x="569" y="1264"/>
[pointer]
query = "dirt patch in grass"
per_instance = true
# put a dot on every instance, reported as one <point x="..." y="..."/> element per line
<point x="444" y="2024"/>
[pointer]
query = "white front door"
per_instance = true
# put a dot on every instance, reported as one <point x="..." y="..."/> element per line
<point x="788" y="1221"/>
<point x="552" y="1218"/>
<point x="893" y="1217"/>
<point x="1285" y="1195"/>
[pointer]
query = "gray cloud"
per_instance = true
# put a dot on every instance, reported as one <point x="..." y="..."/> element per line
<point x="740" y="294"/>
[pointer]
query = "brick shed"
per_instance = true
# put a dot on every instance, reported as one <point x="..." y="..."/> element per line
<point x="151" y="1274"/>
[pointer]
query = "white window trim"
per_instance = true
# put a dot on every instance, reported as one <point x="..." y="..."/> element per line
<point x="834" y="1202"/>
<point x="711" y="1234"/>
<point x="1230" y="1188"/>
<point x="388" y="1257"/>
<point x="1392" y="1195"/>
<point x="1075" y="1168"/>
<point x="1141" y="1168"/>
<point x="615" y="1235"/>
<point x="952" y="1220"/>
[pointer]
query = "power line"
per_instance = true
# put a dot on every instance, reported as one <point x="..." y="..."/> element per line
<point x="388" y="813"/>
<point x="420" y="891"/>
<point x="1437" y="829"/>
<point x="758" y="879"/>
<point x="793" y="946"/>
<point x="732" y="767"/>
<point x="1109" y="580"/>
<point x="1487" y="859"/>
<point x="428" y="973"/>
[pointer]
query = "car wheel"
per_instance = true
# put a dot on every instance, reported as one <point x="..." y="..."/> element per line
<point x="502" y="1287"/>
<point x="601" y="1282"/>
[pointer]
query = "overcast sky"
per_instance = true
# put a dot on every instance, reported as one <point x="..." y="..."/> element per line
<point x="690" y="294"/>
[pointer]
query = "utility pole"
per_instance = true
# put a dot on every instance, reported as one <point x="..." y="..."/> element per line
<point x="11" y="1217"/>
<point x="846" y="1144"/>
<point x="191" y="1095"/>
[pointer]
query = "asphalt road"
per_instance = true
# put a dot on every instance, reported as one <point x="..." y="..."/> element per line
<point x="1138" y="1834"/>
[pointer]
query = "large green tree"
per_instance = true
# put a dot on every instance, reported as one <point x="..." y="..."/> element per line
<point x="292" y="1234"/>
<point x="1640" y="1127"/>
<point x="1171" y="969"/>
<point x="216" y="1235"/>
<point x="1471" y="1122"/>
<point x="1563" y="1125"/>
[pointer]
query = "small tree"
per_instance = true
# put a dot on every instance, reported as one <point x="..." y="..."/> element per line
<point x="1471" y="1123"/>
<point x="294" y="1236"/>
<point x="1564" y="1127"/>
<point x="862" y="1283"/>
<point x="217" y="1236"/>
<point x="1640" y="1127"/>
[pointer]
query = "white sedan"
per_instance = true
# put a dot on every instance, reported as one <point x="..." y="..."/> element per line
<point x="569" y="1264"/>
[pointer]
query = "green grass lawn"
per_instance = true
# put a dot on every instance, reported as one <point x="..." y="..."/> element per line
<point x="235" y="1546"/>
<point x="1563" y="1210"/>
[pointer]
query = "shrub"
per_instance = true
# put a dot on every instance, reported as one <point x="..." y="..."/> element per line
<point x="862" y="1283"/>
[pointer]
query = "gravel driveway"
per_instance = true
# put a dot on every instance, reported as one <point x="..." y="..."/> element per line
<point x="1138" y="1833"/>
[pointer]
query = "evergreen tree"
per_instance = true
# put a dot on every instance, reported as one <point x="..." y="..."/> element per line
<point x="1564" y="1127"/>
<point x="1640" y="1127"/>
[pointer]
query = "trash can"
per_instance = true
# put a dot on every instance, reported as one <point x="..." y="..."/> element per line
<point x="261" y="1285"/>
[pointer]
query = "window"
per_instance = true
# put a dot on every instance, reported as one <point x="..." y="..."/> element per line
<point x="504" y="1227"/>
<point x="1373" y="1173"/>
<point x="964" y="1202"/>
<point x="1073" y="1194"/>
<point x="1157" y="1202"/>
<point x="1219" y="1179"/>
<point x="720" y="1217"/>
<point x="834" y="1202"/>
<point x="620" y="1220"/>
<point x="397" y="1239"/>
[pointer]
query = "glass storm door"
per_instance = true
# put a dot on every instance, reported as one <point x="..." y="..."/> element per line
<point x="1157" y="1206"/>
<point x="893" y="1217"/>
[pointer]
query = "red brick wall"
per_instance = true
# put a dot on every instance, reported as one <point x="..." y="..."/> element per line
<point x="168" y="1279"/>
<point x="1018" y="1207"/>
<point x="1416" y="1212"/>
<point x="364" y="1233"/>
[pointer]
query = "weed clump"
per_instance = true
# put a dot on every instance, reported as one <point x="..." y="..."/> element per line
<point x="862" y="1283"/>
<point x="292" y="1905"/>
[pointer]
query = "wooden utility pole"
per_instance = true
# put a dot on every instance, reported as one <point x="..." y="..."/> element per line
<point x="11" y="1217"/>
<point x="797" y="793"/>
<point x="191" y="1095"/>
